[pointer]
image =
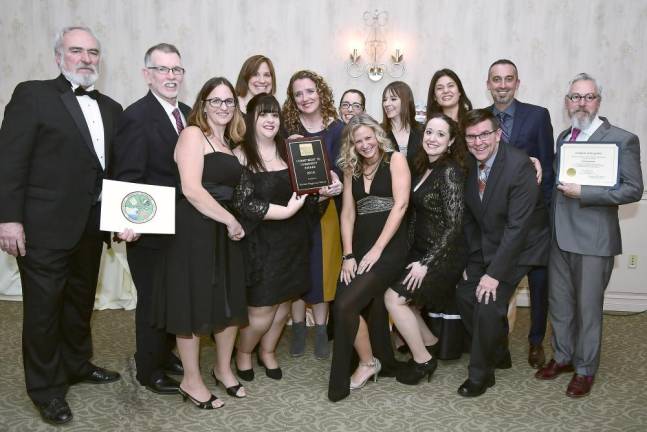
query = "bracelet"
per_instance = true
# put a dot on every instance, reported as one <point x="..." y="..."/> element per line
<point x="347" y="257"/>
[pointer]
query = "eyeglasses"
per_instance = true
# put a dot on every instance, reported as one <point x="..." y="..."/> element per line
<point x="590" y="97"/>
<point x="481" y="137"/>
<point x="217" y="102"/>
<point x="351" y="106"/>
<point x="165" y="70"/>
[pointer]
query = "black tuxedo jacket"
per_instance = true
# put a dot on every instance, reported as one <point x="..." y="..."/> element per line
<point x="50" y="175"/>
<point x="509" y="227"/>
<point x="143" y="149"/>
<point x="532" y="132"/>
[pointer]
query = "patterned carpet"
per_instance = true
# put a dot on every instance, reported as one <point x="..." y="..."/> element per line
<point x="518" y="402"/>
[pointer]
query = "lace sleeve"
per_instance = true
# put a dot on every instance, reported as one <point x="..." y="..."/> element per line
<point x="451" y="200"/>
<point x="246" y="206"/>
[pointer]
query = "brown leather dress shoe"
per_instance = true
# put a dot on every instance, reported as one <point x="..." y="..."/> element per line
<point x="579" y="386"/>
<point x="536" y="356"/>
<point x="552" y="370"/>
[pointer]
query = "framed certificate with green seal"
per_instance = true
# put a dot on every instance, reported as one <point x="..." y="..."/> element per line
<point x="588" y="163"/>
<point x="146" y="209"/>
<point x="308" y="164"/>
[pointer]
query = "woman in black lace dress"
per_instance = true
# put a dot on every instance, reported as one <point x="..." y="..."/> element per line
<point x="277" y="252"/>
<point x="375" y="199"/>
<point x="436" y="258"/>
<point x="202" y="289"/>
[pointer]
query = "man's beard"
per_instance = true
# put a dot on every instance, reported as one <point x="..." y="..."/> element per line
<point x="83" y="80"/>
<point x="582" y="123"/>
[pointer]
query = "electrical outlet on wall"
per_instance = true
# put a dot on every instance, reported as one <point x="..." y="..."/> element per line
<point x="632" y="262"/>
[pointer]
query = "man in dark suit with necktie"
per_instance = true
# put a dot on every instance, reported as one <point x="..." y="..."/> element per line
<point x="585" y="239"/>
<point x="143" y="153"/>
<point x="55" y="144"/>
<point x="526" y="127"/>
<point x="507" y="234"/>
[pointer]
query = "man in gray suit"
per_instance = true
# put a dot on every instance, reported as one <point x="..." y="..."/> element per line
<point x="586" y="237"/>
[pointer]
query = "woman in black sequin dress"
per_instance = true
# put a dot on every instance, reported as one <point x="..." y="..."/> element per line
<point x="436" y="258"/>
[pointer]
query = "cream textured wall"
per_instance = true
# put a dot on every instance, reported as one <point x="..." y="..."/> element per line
<point x="550" y="41"/>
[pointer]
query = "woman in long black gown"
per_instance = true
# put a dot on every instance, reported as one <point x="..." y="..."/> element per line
<point x="202" y="289"/>
<point x="436" y="258"/>
<point x="374" y="246"/>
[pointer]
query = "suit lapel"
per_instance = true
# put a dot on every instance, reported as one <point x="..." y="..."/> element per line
<point x="602" y="131"/>
<point x="520" y="117"/>
<point x="472" y="189"/>
<point x="494" y="176"/>
<point x="161" y="121"/>
<point x="72" y="105"/>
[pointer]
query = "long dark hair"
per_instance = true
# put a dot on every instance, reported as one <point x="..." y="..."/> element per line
<point x="464" y="104"/>
<point x="260" y="104"/>
<point x="407" y="105"/>
<point x="456" y="152"/>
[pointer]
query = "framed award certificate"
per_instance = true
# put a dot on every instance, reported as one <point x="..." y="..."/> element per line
<point x="146" y="209"/>
<point x="588" y="163"/>
<point x="308" y="164"/>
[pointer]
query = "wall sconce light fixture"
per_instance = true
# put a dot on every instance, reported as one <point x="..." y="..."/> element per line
<point x="375" y="46"/>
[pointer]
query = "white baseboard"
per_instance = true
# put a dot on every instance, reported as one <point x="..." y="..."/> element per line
<point x="613" y="301"/>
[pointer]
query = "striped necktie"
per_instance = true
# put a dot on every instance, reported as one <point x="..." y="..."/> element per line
<point x="178" y="120"/>
<point x="482" y="178"/>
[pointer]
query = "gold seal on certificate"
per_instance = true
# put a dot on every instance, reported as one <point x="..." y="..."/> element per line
<point x="146" y="209"/>
<point x="588" y="163"/>
<point x="308" y="164"/>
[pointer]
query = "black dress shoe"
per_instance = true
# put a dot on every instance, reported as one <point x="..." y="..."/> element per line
<point x="174" y="368"/>
<point x="472" y="389"/>
<point x="164" y="385"/>
<point x="56" y="411"/>
<point x="99" y="375"/>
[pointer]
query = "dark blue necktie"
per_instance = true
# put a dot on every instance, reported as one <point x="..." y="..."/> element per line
<point x="505" y="127"/>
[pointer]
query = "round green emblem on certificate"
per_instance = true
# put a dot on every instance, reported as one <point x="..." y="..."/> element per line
<point x="570" y="172"/>
<point x="138" y="207"/>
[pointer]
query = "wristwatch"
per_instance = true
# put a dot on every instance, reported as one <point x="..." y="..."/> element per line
<point x="347" y="257"/>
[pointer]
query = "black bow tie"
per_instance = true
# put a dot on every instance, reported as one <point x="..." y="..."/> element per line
<point x="80" y="91"/>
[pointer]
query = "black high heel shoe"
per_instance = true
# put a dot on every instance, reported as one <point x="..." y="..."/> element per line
<point x="231" y="391"/>
<point x="245" y="374"/>
<point x="414" y="372"/>
<point x="433" y="349"/>
<point x="202" y="405"/>
<point x="275" y="374"/>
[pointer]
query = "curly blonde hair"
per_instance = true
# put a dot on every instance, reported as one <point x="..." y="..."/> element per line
<point x="326" y="101"/>
<point x="351" y="162"/>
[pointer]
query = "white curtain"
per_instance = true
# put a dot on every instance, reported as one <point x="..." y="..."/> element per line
<point x="115" y="289"/>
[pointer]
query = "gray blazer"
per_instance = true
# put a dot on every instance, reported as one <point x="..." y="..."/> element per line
<point x="589" y="225"/>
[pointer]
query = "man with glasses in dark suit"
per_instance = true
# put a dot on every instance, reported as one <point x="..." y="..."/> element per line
<point x="143" y="153"/>
<point x="506" y="231"/>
